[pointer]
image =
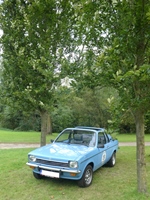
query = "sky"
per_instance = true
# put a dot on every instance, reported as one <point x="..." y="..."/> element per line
<point x="1" y="32"/>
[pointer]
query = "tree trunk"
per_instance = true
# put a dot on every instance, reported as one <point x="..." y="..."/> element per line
<point x="49" y="125"/>
<point x="140" y="152"/>
<point x="43" y="126"/>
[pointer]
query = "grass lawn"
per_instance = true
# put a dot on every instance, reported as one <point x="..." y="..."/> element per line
<point x="117" y="183"/>
<point x="8" y="136"/>
<point x="18" y="183"/>
<point x="129" y="137"/>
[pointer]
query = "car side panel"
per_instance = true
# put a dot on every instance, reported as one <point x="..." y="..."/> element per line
<point x="109" y="151"/>
<point x="95" y="158"/>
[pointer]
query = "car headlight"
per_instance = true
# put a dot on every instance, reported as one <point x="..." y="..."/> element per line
<point x="73" y="164"/>
<point x="32" y="158"/>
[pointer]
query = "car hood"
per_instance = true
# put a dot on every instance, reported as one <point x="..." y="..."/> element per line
<point x="61" y="151"/>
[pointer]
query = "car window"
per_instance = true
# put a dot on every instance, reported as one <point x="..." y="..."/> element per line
<point x="83" y="137"/>
<point x="64" y="137"/>
<point x="101" y="138"/>
<point x="107" y="138"/>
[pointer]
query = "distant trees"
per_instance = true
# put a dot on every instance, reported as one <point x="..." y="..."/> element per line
<point x="85" y="107"/>
<point x="72" y="108"/>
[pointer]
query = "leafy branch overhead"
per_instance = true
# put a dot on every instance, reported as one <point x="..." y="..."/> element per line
<point x="34" y="48"/>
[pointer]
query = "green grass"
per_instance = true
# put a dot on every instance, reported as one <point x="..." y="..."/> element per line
<point x="119" y="182"/>
<point x="8" y="136"/>
<point x="18" y="183"/>
<point x="129" y="137"/>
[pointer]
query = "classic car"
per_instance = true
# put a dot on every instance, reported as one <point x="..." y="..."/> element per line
<point x="75" y="154"/>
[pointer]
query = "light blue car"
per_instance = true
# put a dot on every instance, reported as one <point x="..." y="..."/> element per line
<point x="75" y="154"/>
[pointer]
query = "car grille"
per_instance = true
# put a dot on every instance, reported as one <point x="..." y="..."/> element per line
<point x="52" y="163"/>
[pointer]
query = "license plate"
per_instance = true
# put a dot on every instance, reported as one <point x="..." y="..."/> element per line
<point x="50" y="174"/>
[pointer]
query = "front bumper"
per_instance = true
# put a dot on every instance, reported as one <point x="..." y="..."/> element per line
<point x="53" y="169"/>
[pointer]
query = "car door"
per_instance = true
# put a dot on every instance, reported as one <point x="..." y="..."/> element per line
<point x="103" y="145"/>
<point x="108" y="148"/>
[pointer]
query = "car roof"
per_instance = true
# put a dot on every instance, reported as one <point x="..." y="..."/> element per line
<point x="90" y="128"/>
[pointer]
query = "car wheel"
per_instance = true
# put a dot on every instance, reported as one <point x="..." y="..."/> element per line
<point x="37" y="176"/>
<point x="87" y="177"/>
<point x="112" y="161"/>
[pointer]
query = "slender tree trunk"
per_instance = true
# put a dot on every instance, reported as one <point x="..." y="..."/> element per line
<point x="43" y="126"/>
<point x="140" y="152"/>
<point x="49" y="124"/>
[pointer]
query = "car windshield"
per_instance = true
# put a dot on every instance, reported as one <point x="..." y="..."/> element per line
<point x="81" y="137"/>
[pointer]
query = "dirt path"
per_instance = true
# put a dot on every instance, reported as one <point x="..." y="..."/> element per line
<point x="17" y="145"/>
<point x="23" y="145"/>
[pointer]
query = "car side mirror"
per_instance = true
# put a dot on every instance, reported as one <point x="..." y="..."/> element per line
<point x="51" y="141"/>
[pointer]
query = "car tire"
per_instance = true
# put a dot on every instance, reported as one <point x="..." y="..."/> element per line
<point x="112" y="161"/>
<point x="87" y="177"/>
<point x="37" y="176"/>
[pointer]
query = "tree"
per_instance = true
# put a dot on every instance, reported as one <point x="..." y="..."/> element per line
<point x="36" y="35"/>
<point x="129" y="63"/>
<point x="91" y="106"/>
<point x="119" y="32"/>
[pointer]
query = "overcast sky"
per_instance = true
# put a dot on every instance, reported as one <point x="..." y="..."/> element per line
<point x="1" y="32"/>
